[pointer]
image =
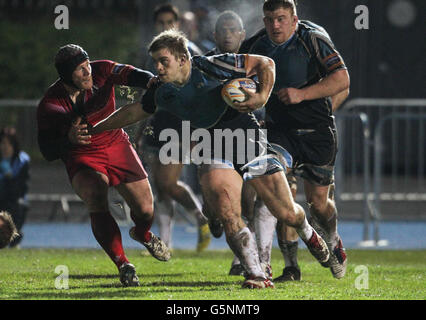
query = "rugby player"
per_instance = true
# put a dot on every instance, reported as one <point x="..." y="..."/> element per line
<point x="312" y="81"/>
<point x="190" y="88"/>
<point x="229" y="35"/>
<point x="83" y="95"/>
<point x="165" y="178"/>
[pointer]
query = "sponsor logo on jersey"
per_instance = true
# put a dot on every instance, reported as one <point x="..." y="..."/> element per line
<point x="117" y="68"/>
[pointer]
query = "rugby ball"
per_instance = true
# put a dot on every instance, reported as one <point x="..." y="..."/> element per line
<point x="231" y="91"/>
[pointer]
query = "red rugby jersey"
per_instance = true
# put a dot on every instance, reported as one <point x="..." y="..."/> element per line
<point x="56" y="111"/>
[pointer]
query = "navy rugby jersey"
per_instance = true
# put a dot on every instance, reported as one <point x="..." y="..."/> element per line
<point x="163" y="119"/>
<point x="199" y="100"/>
<point x="307" y="57"/>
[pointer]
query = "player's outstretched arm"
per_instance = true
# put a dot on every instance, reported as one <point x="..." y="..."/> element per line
<point x="338" y="99"/>
<point x="329" y="86"/>
<point x="126" y="115"/>
<point x="264" y="68"/>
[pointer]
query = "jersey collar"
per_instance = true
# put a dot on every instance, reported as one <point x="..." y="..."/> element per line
<point x="284" y="44"/>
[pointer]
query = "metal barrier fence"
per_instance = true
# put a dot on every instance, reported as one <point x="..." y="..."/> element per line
<point x="352" y="171"/>
<point x="381" y="158"/>
<point x="394" y="130"/>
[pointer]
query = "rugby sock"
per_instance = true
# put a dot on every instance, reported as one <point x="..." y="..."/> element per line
<point x="329" y="224"/>
<point x="289" y="252"/>
<point x="250" y="225"/>
<point x="264" y="223"/>
<point x="235" y="261"/>
<point x="244" y="247"/>
<point x="142" y="227"/>
<point x="190" y="200"/>
<point x="332" y="229"/>
<point x="108" y="235"/>
<point x="164" y="212"/>
<point x="305" y="231"/>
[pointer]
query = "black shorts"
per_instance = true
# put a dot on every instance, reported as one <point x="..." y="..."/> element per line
<point x="244" y="147"/>
<point x="313" y="151"/>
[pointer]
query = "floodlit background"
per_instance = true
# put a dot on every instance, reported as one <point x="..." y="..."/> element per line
<point x="380" y="173"/>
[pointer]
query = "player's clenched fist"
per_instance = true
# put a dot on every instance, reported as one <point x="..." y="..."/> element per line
<point x="291" y="95"/>
<point x="78" y="133"/>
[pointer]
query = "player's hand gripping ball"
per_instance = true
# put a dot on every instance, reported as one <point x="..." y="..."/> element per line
<point x="231" y="91"/>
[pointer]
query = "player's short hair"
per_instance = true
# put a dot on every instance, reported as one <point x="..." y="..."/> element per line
<point x="173" y="40"/>
<point x="166" y="7"/>
<point x="7" y="229"/>
<point x="228" y="15"/>
<point x="272" y="5"/>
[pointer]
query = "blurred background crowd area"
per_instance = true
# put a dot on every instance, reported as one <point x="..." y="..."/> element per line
<point x="386" y="60"/>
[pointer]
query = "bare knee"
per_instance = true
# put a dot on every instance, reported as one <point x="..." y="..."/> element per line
<point x="320" y="205"/>
<point x="95" y="196"/>
<point x="141" y="204"/>
<point x="143" y="209"/>
<point x="292" y="215"/>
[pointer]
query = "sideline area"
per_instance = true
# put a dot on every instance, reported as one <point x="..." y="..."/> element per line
<point x="399" y="235"/>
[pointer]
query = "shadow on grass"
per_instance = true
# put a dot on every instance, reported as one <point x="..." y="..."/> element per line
<point x="164" y="285"/>
<point x="164" y="275"/>
<point x="116" y="276"/>
<point x="117" y="291"/>
<point x="188" y="283"/>
<point x="92" y="276"/>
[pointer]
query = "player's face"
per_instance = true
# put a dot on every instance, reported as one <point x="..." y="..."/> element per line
<point x="280" y="24"/>
<point x="6" y="148"/>
<point x="169" y="68"/>
<point x="165" y="21"/>
<point x="82" y="76"/>
<point x="229" y="36"/>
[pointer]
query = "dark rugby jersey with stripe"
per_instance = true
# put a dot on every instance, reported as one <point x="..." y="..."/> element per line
<point x="307" y="57"/>
<point x="199" y="100"/>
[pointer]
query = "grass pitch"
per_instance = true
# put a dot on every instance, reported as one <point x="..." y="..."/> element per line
<point x="28" y="274"/>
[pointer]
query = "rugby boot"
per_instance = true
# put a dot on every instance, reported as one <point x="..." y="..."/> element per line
<point x="317" y="247"/>
<point x="338" y="259"/>
<point x="253" y="282"/>
<point x="237" y="270"/>
<point x="156" y="247"/>
<point x="128" y="277"/>
<point x="290" y="273"/>
<point x="267" y="269"/>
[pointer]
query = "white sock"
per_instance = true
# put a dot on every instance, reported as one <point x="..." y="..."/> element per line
<point x="236" y="261"/>
<point x="265" y="224"/>
<point x="244" y="247"/>
<point x="201" y="219"/>
<point x="305" y="231"/>
<point x="198" y="211"/>
<point x="164" y="212"/>
<point x="333" y="231"/>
